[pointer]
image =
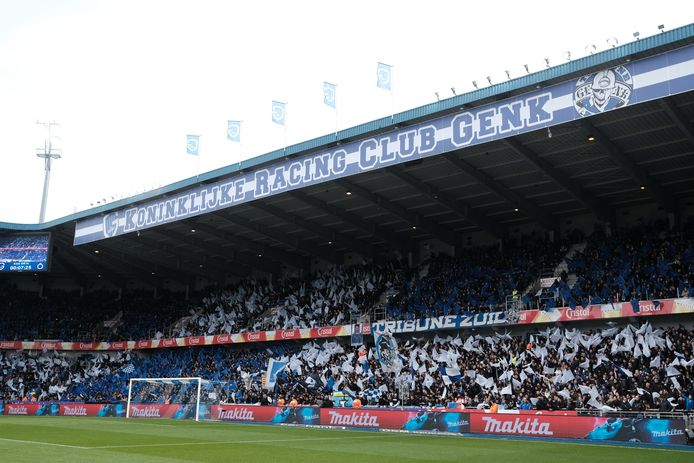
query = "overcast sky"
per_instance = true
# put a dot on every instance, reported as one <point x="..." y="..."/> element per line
<point x="128" y="79"/>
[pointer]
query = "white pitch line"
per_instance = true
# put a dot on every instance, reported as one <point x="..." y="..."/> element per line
<point x="44" y="443"/>
<point x="257" y="441"/>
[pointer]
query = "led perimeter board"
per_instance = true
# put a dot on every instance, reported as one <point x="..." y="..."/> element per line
<point x="25" y="252"/>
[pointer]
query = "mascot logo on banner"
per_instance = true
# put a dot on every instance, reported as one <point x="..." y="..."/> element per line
<point x="603" y="91"/>
<point x="110" y="224"/>
<point x="387" y="351"/>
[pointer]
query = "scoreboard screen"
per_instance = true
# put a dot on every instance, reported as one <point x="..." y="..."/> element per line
<point x="25" y="252"/>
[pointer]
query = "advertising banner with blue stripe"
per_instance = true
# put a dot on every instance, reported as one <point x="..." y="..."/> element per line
<point x="594" y="93"/>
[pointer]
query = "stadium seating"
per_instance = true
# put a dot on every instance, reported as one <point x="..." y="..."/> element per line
<point x="621" y="367"/>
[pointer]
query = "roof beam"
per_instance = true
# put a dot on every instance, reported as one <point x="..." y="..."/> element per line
<point x="285" y="239"/>
<point x="527" y="207"/>
<point x="185" y="251"/>
<point x="113" y="273"/>
<point x="357" y="245"/>
<point x="353" y="219"/>
<point x="241" y="265"/>
<point x="634" y="170"/>
<point x="245" y="244"/>
<point x="132" y="259"/>
<point x="78" y="276"/>
<point x="679" y="118"/>
<point x="560" y="178"/>
<point x="458" y="207"/>
<point x="412" y="218"/>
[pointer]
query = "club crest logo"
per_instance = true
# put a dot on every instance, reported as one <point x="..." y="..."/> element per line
<point x="110" y="224"/>
<point x="329" y="96"/>
<point x="234" y="130"/>
<point x="603" y="91"/>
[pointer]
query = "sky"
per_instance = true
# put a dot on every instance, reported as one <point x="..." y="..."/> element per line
<point x="127" y="80"/>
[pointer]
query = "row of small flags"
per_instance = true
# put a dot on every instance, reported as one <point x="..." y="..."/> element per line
<point x="279" y="109"/>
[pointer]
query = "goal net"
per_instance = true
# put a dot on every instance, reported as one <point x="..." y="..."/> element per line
<point x="177" y="398"/>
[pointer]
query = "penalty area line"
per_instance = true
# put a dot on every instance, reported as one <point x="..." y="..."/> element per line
<point x="19" y="441"/>
<point x="255" y="441"/>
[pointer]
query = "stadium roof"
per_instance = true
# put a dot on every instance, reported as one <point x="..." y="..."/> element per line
<point x="639" y="153"/>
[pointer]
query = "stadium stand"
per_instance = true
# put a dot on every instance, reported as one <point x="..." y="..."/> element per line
<point x="617" y="268"/>
<point x="618" y="368"/>
<point x="587" y="229"/>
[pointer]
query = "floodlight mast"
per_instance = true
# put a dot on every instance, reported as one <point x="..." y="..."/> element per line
<point x="48" y="153"/>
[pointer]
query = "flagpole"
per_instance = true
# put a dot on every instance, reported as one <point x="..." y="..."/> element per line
<point x="284" y="150"/>
<point x="336" y="126"/>
<point x="392" y="97"/>
<point x="240" y="144"/>
<point x="198" y="156"/>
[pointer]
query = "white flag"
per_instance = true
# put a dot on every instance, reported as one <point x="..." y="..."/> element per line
<point x="655" y="363"/>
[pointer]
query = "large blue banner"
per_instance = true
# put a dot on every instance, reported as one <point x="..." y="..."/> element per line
<point x="595" y="93"/>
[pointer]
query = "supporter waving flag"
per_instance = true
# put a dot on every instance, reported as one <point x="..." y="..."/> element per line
<point x="387" y="351"/>
<point x="274" y="367"/>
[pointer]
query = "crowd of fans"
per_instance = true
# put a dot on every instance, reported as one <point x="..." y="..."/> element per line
<point x="639" y="263"/>
<point x="634" y="264"/>
<point x="325" y="300"/>
<point x="93" y="316"/>
<point x="478" y="280"/>
<point x="625" y="368"/>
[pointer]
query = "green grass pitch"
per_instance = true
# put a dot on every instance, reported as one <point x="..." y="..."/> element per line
<point x="94" y="440"/>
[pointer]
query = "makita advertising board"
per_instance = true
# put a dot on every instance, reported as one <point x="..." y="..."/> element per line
<point x="98" y="410"/>
<point x="409" y="420"/>
<point x="581" y="427"/>
<point x="598" y="92"/>
<point x="176" y="412"/>
<point x="32" y="409"/>
<point x="532" y="423"/>
<point x="255" y="414"/>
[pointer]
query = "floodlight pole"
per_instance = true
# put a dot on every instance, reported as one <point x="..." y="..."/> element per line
<point x="48" y="153"/>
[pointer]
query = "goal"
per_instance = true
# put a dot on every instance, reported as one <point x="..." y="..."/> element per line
<point x="177" y="398"/>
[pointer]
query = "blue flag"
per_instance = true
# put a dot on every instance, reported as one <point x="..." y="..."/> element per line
<point x="193" y="145"/>
<point x="383" y="72"/>
<point x="279" y="112"/>
<point x="329" y="91"/>
<point x="274" y="367"/>
<point x="234" y="130"/>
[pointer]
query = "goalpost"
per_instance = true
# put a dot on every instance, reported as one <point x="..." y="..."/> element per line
<point x="190" y="397"/>
<point x="165" y="391"/>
